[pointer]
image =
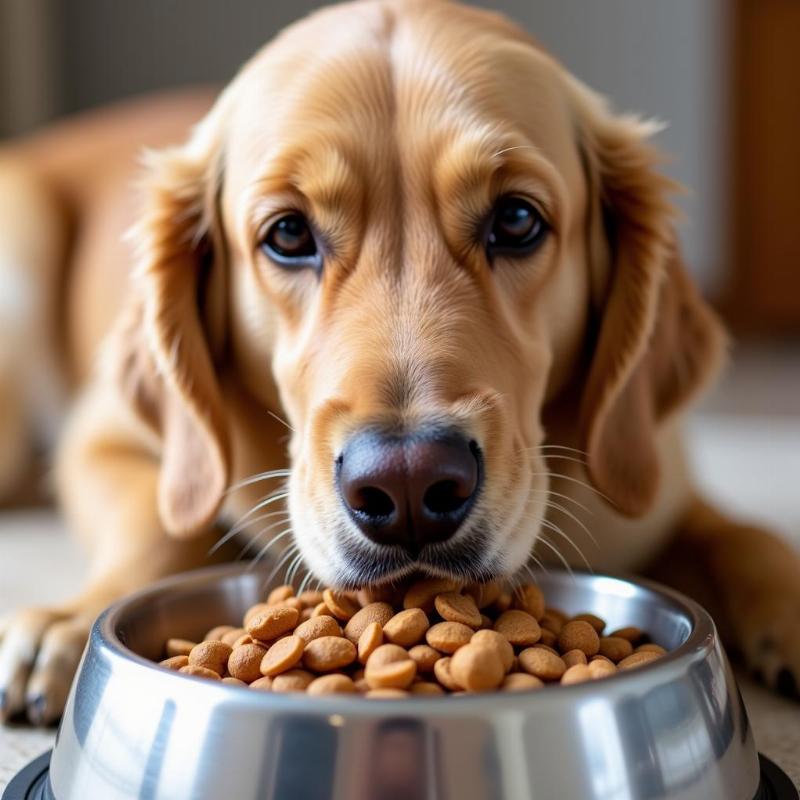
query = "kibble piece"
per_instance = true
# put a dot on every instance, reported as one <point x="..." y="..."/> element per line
<point x="323" y="625"/>
<point x="279" y="594"/>
<point x="579" y="635"/>
<point x="615" y="648"/>
<point x="369" y="641"/>
<point x="329" y="653"/>
<point x="596" y="622"/>
<point x="407" y="627"/>
<point x="342" y="606"/>
<point x="477" y="667"/>
<point x="331" y="684"/>
<point x="551" y="622"/>
<point x="631" y="633"/>
<point x="294" y="680"/>
<point x="212" y="655"/>
<point x="448" y="636"/>
<point x="573" y="657"/>
<point x="498" y="643"/>
<point x="320" y="610"/>
<point x="519" y="627"/>
<point x="638" y="659"/>
<point x="244" y="662"/>
<point x="577" y="674"/>
<point x="542" y="663"/>
<point x="484" y="594"/>
<point x="217" y="634"/>
<point x="174" y="662"/>
<point x="361" y="685"/>
<point x="310" y="598"/>
<point x="199" y="672"/>
<point x="422" y="594"/>
<point x="291" y="602"/>
<point x="272" y="622"/>
<point x="530" y="599"/>
<point x="306" y="614"/>
<point x="520" y="682"/>
<point x="234" y="635"/>
<point x="377" y="594"/>
<point x="548" y="638"/>
<point x="503" y="602"/>
<point x="179" y="647"/>
<point x="601" y="668"/>
<point x="374" y="612"/>
<point x="651" y="648"/>
<point x="262" y="684"/>
<point x="389" y="667"/>
<point x="387" y="694"/>
<point x="486" y="622"/>
<point x="456" y="607"/>
<point x="282" y="656"/>
<point x="425" y="656"/>
<point x="234" y="682"/>
<point x="441" y="670"/>
<point x="245" y="638"/>
<point x="252" y="612"/>
<point x="426" y="688"/>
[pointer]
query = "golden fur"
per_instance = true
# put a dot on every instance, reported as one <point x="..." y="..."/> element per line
<point x="393" y="125"/>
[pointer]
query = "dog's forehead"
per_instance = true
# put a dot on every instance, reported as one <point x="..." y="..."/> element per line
<point x="381" y="83"/>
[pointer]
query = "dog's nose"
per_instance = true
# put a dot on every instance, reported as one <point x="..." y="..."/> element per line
<point x="409" y="490"/>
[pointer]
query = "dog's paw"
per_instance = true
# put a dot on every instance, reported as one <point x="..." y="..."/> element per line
<point x="39" y="654"/>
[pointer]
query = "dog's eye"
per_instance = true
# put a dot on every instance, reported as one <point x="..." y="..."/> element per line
<point x="516" y="227"/>
<point x="290" y="241"/>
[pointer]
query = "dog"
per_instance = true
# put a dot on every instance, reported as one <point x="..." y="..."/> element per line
<point x="409" y="273"/>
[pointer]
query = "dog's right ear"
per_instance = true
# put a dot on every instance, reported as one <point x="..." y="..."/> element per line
<point x="166" y="369"/>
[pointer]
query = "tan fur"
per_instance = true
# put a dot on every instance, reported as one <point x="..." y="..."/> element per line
<point x="393" y="125"/>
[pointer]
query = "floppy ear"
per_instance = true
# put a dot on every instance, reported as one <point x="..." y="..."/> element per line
<point x="167" y="372"/>
<point x="657" y="342"/>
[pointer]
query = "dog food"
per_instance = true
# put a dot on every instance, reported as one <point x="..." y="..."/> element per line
<point x="431" y="638"/>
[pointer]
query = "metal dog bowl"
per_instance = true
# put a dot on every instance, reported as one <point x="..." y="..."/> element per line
<point x="673" y="729"/>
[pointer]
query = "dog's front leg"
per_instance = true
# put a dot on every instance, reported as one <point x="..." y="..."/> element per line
<point x="107" y="474"/>
<point x="749" y="580"/>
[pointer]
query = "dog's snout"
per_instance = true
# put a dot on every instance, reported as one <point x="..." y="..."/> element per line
<point x="409" y="490"/>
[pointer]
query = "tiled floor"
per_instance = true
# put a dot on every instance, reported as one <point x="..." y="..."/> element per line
<point x="746" y="450"/>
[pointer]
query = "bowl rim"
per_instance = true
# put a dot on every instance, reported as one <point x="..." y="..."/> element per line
<point x="701" y="639"/>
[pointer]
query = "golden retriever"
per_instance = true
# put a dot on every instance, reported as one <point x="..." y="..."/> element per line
<point x="407" y="241"/>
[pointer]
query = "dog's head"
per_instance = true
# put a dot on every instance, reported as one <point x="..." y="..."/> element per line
<point x="408" y="230"/>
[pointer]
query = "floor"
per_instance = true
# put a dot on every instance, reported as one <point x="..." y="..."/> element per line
<point x="745" y="443"/>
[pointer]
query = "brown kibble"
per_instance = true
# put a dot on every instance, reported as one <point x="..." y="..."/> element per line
<point x="548" y="638"/>
<point x="294" y="680"/>
<point x="329" y="653"/>
<point x="631" y="633"/>
<point x="389" y="667"/>
<point x="441" y="670"/>
<point x="651" y="648"/>
<point x="520" y="682"/>
<point x="218" y="634"/>
<point x="484" y="594"/>
<point x="262" y="684"/>
<point x="212" y="655"/>
<point x="321" y="610"/>
<point x="309" y="598"/>
<point x="477" y="667"/>
<point x="179" y="647"/>
<point x="234" y="682"/>
<point x="426" y="688"/>
<point x="456" y="607"/>
<point x="234" y="635"/>
<point x="542" y="663"/>
<point x="499" y="643"/>
<point x="486" y="622"/>
<point x="199" y="672"/>
<point x="519" y="627"/>
<point x="615" y="648"/>
<point x="279" y="594"/>
<point x="579" y="635"/>
<point x="282" y="656"/>
<point x="361" y="685"/>
<point x="244" y="662"/>
<point x="306" y="614"/>
<point x="530" y="599"/>
<point x="331" y="684"/>
<point x="174" y="662"/>
<point x="448" y="636"/>
<point x="252" y="612"/>
<point x="425" y="656"/>
<point x="551" y="621"/>
<point x="383" y="593"/>
<point x="369" y="641"/>
<point x="422" y="594"/>
<point x="407" y="627"/>
<point x="272" y="622"/>
<point x="503" y="602"/>
<point x="596" y="622"/>
<point x="374" y="612"/>
<point x="323" y="625"/>
<point x="601" y="668"/>
<point x="573" y="657"/>
<point x="579" y="673"/>
<point x="638" y="659"/>
<point x="342" y="606"/>
<point x="387" y="694"/>
<point x="245" y="638"/>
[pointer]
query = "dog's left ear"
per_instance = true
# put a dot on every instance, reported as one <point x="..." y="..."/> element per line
<point x="657" y="341"/>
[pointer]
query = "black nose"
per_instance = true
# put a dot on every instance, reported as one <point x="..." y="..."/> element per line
<point x="409" y="490"/>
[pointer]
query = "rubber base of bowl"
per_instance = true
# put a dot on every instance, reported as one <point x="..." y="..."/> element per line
<point x="32" y="782"/>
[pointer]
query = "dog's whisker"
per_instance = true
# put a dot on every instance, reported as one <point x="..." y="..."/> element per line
<point x="257" y="478"/>
<point x="557" y="552"/>
<point x="555" y="528"/>
<point x="281" y="420"/>
<point x="561" y="447"/>
<point x="564" y="497"/>
<point x="241" y="525"/>
<point x="306" y="580"/>
<point x="260" y="518"/>
<point x="243" y="522"/>
<point x="293" y="567"/>
<point x="585" y="485"/>
<point x="565" y="458"/>
<point x="290" y="551"/>
<point x="262" y="533"/>
<point x="567" y="512"/>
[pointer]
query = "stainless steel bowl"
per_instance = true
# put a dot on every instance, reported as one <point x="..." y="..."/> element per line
<point x="674" y="729"/>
